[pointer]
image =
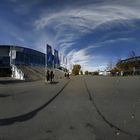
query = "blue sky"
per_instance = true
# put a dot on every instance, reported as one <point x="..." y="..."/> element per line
<point x="92" y="33"/>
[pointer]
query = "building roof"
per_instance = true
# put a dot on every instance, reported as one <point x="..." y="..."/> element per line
<point x="132" y="59"/>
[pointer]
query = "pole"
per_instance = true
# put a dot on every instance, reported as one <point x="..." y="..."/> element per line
<point x="11" y="60"/>
<point x="53" y="66"/>
<point x="46" y="65"/>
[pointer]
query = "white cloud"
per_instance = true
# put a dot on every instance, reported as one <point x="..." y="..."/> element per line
<point x="88" y="17"/>
<point x="109" y="41"/>
<point x="84" y="20"/>
<point x="82" y="57"/>
<point x="72" y="24"/>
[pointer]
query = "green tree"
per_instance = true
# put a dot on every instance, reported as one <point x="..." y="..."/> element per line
<point x="76" y="69"/>
<point x="86" y="72"/>
<point x="109" y="66"/>
<point x="81" y="72"/>
<point x="95" y="73"/>
<point x="132" y="54"/>
<point x="90" y="73"/>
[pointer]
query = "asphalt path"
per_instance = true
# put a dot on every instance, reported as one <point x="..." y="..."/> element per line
<point x="82" y="108"/>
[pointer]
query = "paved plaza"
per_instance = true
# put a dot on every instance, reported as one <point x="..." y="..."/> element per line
<point x="82" y="108"/>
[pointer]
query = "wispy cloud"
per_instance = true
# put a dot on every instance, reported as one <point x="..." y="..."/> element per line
<point x="76" y="27"/>
<point x="72" y="24"/>
<point x="87" y="17"/>
<point x="23" y="7"/>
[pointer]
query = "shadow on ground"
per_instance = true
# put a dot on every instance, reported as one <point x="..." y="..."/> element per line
<point x="5" y="82"/>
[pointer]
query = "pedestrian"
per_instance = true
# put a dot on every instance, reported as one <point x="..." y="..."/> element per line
<point x="68" y="75"/>
<point x="52" y="76"/>
<point x="48" y="75"/>
<point x="65" y="74"/>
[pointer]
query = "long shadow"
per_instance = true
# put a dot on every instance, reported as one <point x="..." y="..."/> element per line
<point x="29" y="115"/>
<point x="7" y="95"/>
<point x="14" y="94"/>
<point x="5" y="82"/>
<point x="4" y="95"/>
<point x="54" y="82"/>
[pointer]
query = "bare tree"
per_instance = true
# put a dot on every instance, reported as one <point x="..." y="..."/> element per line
<point x="109" y="66"/>
<point x="132" y="54"/>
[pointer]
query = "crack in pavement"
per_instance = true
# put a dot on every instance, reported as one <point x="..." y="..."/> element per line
<point x="104" y="118"/>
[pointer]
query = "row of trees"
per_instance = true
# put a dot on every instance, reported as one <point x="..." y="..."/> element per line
<point x="130" y="66"/>
<point x="77" y="70"/>
<point x="127" y="67"/>
<point x="91" y="73"/>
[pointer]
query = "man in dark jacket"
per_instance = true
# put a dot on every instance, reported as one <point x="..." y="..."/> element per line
<point x="52" y="76"/>
<point x="48" y="75"/>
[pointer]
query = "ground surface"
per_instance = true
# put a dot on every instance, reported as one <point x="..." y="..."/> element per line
<point x="83" y="108"/>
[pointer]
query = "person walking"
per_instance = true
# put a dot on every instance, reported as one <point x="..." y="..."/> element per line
<point x="68" y="75"/>
<point x="51" y="76"/>
<point x="48" y="75"/>
<point x="65" y="74"/>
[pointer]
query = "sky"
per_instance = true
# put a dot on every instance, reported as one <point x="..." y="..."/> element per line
<point x="92" y="33"/>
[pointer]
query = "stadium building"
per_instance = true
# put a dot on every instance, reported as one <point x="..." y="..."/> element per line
<point x="130" y="66"/>
<point x="23" y="63"/>
<point x="20" y="62"/>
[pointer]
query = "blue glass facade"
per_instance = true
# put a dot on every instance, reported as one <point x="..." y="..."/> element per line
<point x="24" y="56"/>
<point x="4" y="61"/>
<point x="30" y="57"/>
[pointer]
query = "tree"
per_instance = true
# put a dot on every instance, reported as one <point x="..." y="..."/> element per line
<point x="76" y="69"/>
<point x="132" y="54"/>
<point x="81" y="72"/>
<point x="86" y="72"/>
<point x="109" y="66"/>
<point x="127" y="67"/>
<point x="90" y="73"/>
<point x="95" y="73"/>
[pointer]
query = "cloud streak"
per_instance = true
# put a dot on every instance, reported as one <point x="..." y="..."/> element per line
<point x="72" y="24"/>
<point x="77" y="28"/>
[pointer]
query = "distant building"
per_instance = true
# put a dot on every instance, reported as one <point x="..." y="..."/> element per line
<point x="130" y="66"/>
<point x="104" y="73"/>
